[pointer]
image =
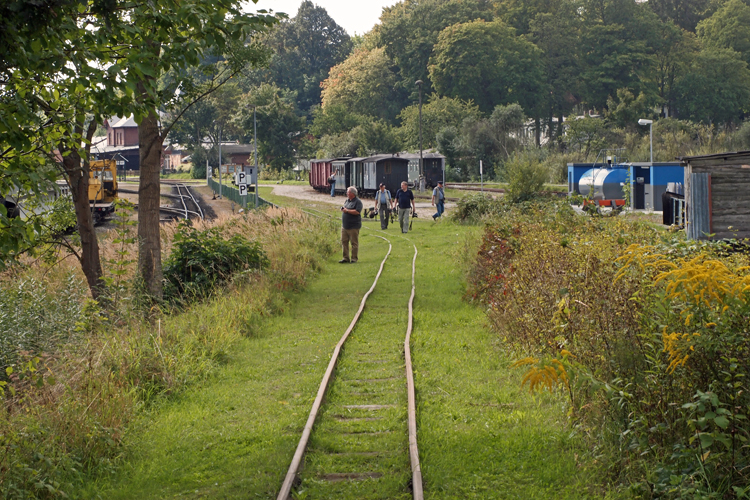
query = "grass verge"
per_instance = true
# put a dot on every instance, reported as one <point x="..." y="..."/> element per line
<point x="480" y="434"/>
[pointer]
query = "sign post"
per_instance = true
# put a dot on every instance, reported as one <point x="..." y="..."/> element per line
<point x="481" y="176"/>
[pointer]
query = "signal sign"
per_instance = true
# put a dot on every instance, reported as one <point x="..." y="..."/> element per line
<point x="243" y="189"/>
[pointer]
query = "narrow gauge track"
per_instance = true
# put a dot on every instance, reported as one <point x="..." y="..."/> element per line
<point x="188" y="198"/>
<point x="184" y="200"/>
<point x="357" y="421"/>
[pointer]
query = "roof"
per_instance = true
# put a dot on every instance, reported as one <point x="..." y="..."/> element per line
<point x="99" y="145"/>
<point x="237" y="148"/>
<point x="118" y="122"/>
<point x="425" y="155"/>
<point x="385" y="157"/>
<point x="717" y="158"/>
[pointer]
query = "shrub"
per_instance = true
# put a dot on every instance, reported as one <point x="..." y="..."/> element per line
<point x="202" y="260"/>
<point x="648" y="336"/>
<point x="526" y="177"/>
<point x="473" y="207"/>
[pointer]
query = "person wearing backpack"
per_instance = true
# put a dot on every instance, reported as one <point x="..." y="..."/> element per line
<point x="383" y="205"/>
<point x="438" y="200"/>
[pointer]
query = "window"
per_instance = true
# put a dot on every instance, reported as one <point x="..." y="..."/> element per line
<point x="387" y="166"/>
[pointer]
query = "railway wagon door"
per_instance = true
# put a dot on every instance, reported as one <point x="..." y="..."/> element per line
<point x="370" y="179"/>
<point x="359" y="177"/>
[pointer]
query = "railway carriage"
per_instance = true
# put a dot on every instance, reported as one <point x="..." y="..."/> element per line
<point x="320" y="170"/>
<point x="390" y="170"/>
<point x="339" y="168"/>
<point x="434" y="168"/>
<point x="356" y="173"/>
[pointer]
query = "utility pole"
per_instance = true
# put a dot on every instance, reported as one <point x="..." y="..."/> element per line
<point x="418" y="83"/>
<point x="255" y="147"/>
<point x="219" y="163"/>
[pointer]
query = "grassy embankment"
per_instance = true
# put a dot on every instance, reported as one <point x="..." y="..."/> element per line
<point x="481" y="435"/>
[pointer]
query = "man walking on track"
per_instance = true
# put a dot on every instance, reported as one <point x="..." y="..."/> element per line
<point x="438" y="200"/>
<point x="351" y="223"/>
<point x="383" y="205"/>
<point x="405" y="199"/>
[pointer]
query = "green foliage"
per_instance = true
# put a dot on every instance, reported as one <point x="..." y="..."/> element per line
<point x="409" y="31"/>
<point x="202" y="260"/>
<point x="628" y="109"/>
<point x="437" y="113"/>
<point x="657" y="327"/>
<point x="364" y="82"/>
<point x="305" y="48"/>
<point x="198" y="169"/>
<point x="334" y="119"/>
<point x="525" y="176"/>
<point x="120" y="265"/>
<point x="728" y="28"/>
<point x="488" y="64"/>
<point x="66" y="414"/>
<point x="36" y="318"/>
<point x="279" y="127"/>
<point x="716" y="89"/>
<point x="474" y="207"/>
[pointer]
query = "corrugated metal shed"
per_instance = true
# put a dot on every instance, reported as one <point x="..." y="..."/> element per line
<point x="717" y="195"/>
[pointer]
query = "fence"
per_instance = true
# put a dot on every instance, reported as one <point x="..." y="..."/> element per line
<point x="232" y="193"/>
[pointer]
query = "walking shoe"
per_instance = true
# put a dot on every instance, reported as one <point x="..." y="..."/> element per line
<point x="343" y="261"/>
<point x="353" y="262"/>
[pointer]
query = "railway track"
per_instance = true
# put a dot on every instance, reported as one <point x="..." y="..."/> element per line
<point x="184" y="197"/>
<point x="360" y="438"/>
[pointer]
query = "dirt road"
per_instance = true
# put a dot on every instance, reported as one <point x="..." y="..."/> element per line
<point x="309" y="194"/>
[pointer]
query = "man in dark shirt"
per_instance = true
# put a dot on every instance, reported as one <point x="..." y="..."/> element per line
<point x="405" y="199"/>
<point x="351" y="223"/>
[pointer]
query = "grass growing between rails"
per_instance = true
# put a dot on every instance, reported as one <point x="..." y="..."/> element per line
<point x="70" y="403"/>
<point x="481" y="435"/>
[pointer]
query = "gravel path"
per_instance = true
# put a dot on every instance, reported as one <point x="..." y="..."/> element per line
<point x="309" y="194"/>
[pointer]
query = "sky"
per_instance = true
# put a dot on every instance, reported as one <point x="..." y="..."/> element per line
<point x="355" y="16"/>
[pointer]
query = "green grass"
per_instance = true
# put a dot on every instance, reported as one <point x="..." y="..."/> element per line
<point x="480" y="434"/>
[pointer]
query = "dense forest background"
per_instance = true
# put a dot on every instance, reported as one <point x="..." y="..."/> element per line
<point x="549" y="81"/>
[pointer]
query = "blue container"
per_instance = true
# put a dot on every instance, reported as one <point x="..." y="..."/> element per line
<point x="604" y="183"/>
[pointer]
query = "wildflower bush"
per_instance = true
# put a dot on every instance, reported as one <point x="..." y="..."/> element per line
<point x="646" y="335"/>
<point x="69" y="398"/>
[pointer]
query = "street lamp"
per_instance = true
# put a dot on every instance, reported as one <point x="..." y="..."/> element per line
<point x="650" y="124"/>
<point x="418" y="83"/>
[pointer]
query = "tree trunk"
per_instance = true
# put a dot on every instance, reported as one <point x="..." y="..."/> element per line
<point x="78" y="177"/>
<point x="149" y="236"/>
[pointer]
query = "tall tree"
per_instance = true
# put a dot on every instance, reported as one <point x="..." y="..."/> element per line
<point x="305" y="48"/>
<point x="684" y="13"/>
<point x="280" y="128"/>
<point x="409" y="30"/>
<point x="58" y="77"/>
<point x="175" y="35"/>
<point x="557" y="36"/>
<point x="488" y="64"/>
<point x="363" y="82"/>
<point x="716" y="89"/>
<point x="437" y="113"/>
<point x="728" y="28"/>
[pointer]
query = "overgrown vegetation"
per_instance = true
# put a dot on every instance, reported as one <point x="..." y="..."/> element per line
<point x="202" y="260"/>
<point x="76" y="374"/>
<point x="645" y="334"/>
